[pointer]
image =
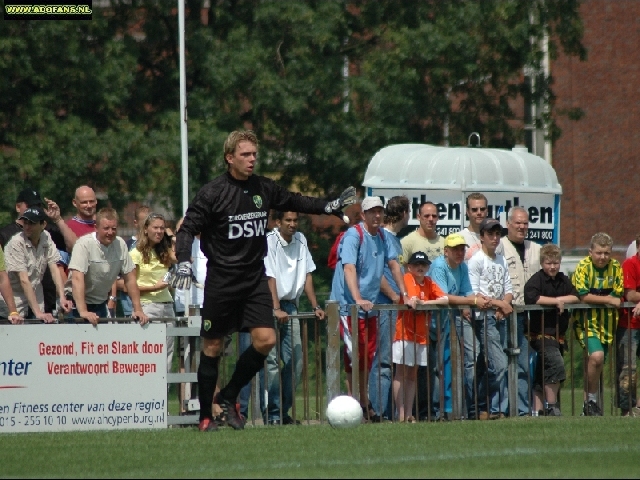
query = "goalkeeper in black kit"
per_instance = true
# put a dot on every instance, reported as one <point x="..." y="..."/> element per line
<point x="231" y="214"/>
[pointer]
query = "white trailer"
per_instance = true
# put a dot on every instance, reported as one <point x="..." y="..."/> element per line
<point x="446" y="175"/>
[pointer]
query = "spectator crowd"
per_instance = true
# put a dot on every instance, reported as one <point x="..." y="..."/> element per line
<point x="57" y="270"/>
<point x="485" y="278"/>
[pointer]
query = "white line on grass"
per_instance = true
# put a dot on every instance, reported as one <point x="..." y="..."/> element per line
<point x="518" y="451"/>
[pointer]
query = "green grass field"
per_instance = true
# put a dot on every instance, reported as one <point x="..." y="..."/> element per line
<point x="604" y="447"/>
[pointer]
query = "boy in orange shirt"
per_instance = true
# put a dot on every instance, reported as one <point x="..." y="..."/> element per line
<point x="412" y="333"/>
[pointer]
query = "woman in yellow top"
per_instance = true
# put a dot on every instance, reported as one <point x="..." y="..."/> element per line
<point x="153" y="256"/>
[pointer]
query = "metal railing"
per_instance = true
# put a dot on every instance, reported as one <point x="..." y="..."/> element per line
<point x="327" y="381"/>
<point x="511" y="349"/>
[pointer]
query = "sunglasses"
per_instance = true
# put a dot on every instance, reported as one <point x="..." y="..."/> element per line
<point x="151" y="216"/>
<point x="478" y="209"/>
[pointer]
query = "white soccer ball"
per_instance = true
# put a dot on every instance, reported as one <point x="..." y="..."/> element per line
<point x="344" y="412"/>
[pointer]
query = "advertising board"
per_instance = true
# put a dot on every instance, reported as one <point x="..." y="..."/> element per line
<point x="79" y="377"/>
<point x="543" y="209"/>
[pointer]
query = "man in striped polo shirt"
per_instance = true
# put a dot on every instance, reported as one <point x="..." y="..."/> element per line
<point x="598" y="280"/>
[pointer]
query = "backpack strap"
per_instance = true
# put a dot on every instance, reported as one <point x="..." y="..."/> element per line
<point x="361" y="233"/>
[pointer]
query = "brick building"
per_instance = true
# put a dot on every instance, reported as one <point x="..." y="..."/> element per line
<point x="596" y="157"/>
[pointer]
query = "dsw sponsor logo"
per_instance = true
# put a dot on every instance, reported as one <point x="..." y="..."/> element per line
<point x="248" y="229"/>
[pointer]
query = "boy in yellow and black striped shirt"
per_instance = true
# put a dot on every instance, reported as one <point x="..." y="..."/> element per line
<point x="598" y="280"/>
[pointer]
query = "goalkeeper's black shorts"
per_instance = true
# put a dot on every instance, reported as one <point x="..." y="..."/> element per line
<point x="223" y="315"/>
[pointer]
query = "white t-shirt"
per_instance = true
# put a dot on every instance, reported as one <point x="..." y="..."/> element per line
<point x="199" y="268"/>
<point x="489" y="276"/>
<point x="288" y="263"/>
<point x="473" y="240"/>
<point x="631" y="251"/>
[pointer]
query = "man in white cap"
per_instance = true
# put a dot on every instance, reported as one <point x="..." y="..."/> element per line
<point x="362" y="255"/>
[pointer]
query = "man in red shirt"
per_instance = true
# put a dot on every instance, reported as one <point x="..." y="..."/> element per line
<point x="84" y="222"/>
<point x="628" y="338"/>
<point x="85" y="202"/>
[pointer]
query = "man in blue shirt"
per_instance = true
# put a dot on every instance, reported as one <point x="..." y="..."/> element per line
<point x="362" y="255"/>
<point x="452" y="275"/>
<point x="396" y="217"/>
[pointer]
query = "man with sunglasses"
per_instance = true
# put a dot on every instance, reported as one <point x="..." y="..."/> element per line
<point x="476" y="213"/>
<point x="476" y="207"/>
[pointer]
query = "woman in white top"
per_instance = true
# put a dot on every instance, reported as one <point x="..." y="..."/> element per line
<point x="153" y="256"/>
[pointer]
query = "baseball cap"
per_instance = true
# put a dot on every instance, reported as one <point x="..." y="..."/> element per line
<point x="489" y="224"/>
<point x="33" y="215"/>
<point x="419" y="257"/>
<point x="454" y="240"/>
<point x="30" y="197"/>
<point x="371" y="202"/>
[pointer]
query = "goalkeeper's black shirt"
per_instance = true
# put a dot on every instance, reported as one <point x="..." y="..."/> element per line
<point x="232" y="217"/>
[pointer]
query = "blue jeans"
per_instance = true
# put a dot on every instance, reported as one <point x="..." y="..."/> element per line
<point x="291" y="356"/>
<point x="429" y="378"/>
<point x="469" y="347"/>
<point x="244" y="341"/>
<point x="380" y="393"/>
<point x="126" y="303"/>
<point x="523" y="361"/>
<point x="440" y="362"/>
<point x="492" y="365"/>
<point x="628" y="343"/>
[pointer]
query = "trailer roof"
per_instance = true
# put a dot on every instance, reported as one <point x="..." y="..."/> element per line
<point x="422" y="166"/>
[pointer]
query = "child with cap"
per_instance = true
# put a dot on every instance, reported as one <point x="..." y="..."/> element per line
<point x="412" y="334"/>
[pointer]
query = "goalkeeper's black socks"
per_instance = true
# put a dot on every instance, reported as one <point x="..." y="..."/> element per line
<point x="207" y="379"/>
<point x="249" y="363"/>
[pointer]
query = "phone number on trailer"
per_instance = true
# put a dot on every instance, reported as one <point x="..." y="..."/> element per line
<point x="540" y="235"/>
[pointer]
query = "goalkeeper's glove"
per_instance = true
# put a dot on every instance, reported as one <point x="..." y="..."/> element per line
<point x="182" y="277"/>
<point x="347" y="197"/>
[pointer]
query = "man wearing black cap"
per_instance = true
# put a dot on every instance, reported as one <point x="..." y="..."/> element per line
<point x="61" y="235"/>
<point x="489" y="276"/>
<point x="27" y="255"/>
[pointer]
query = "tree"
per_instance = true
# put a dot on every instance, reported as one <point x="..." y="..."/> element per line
<point x="424" y="64"/>
<point x="96" y="102"/>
